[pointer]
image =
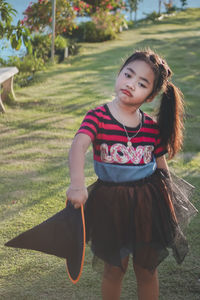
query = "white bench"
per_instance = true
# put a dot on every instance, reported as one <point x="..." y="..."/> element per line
<point x="6" y="84"/>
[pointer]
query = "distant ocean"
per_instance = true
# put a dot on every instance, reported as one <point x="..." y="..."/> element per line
<point x="146" y="6"/>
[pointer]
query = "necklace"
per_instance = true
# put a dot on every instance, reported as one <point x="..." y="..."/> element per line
<point x="129" y="143"/>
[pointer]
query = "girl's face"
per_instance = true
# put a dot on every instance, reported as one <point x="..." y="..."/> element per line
<point x="134" y="84"/>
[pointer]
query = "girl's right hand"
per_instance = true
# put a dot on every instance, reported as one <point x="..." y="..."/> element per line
<point x="77" y="196"/>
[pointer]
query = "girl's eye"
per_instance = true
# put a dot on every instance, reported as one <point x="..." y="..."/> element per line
<point x="141" y="85"/>
<point x="127" y="75"/>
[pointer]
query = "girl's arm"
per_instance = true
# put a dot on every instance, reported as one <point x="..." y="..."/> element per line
<point x="77" y="192"/>
<point x="162" y="163"/>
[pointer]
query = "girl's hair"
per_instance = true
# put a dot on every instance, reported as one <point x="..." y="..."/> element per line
<point x="171" y="112"/>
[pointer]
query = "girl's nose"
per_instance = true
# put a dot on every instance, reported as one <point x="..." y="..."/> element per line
<point x="131" y="86"/>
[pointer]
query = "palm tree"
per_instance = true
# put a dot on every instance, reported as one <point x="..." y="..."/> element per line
<point x="133" y="6"/>
<point x="159" y="6"/>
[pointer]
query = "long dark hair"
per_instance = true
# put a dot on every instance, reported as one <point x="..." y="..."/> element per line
<point x="171" y="111"/>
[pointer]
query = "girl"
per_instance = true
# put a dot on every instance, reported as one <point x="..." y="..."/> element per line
<point x="129" y="209"/>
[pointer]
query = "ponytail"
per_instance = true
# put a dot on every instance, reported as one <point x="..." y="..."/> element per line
<point x="171" y="113"/>
<point x="170" y="119"/>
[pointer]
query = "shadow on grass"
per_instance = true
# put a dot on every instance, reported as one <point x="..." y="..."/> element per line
<point x="86" y="64"/>
<point x="52" y="197"/>
<point x="41" y="129"/>
<point x="172" y="31"/>
<point x="48" y="275"/>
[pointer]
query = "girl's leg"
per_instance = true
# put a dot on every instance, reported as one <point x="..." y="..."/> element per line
<point x="147" y="283"/>
<point x="112" y="280"/>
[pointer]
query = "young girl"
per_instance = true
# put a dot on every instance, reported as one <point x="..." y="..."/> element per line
<point x="129" y="209"/>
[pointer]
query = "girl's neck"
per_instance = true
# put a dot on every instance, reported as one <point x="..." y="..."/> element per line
<point x="128" y="115"/>
<point x="130" y="110"/>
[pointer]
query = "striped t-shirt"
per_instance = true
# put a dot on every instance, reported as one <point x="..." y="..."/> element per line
<point x="113" y="159"/>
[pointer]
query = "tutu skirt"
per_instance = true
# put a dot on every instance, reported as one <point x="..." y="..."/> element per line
<point x="138" y="218"/>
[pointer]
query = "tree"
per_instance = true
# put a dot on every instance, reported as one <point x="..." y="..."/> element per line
<point x="38" y="15"/>
<point x="159" y="6"/>
<point x="133" y="7"/>
<point x="169" y="6"/>
<point x="16" y="34"/>
<point x="106" y="5"/>
<point x="184" y="3"/>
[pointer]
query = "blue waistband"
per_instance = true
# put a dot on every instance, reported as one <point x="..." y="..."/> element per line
<point x="120" y="173"/>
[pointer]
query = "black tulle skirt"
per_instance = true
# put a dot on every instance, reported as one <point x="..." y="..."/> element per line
<point x="144" y="218"/>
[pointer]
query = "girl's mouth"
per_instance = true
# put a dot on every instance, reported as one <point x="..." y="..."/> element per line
<point x="126" y="92"/>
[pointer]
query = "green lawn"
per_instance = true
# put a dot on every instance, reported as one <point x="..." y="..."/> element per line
<point x="36" y="134"/>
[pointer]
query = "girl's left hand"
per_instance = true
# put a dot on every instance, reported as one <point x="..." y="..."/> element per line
<point x="77" y="197"/>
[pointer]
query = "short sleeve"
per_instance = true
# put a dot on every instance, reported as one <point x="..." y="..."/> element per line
<point x="90" y="125"/>
<point x="159" y="149"/>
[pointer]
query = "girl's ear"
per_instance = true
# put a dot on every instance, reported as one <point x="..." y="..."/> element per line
<point x="150" y="99"/>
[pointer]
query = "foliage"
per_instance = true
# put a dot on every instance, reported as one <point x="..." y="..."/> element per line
<point x="170" y="8"/>
<point x="27" y="66"/>
<point x="38" y="16"/>
<point x="183" y="3"/>
<point x="60" y="43"/>
<point x="73" y="47"/>
<point x="90" y="32"/>
<point x="41" y="44"/>
<point x="82" y="8"/>
<point x="107" y="20"/>
<point x="15" y="33"/>
<point x="105" y="14"/>
<point x="94" y="34"/>
<point x="77" y="33"/>
<point x="132" y="6"/>
<point x="152" y="16"/>
<point x="108" y="5"/>
<point x="104" y="26"/>
<point x="31" y="63"/>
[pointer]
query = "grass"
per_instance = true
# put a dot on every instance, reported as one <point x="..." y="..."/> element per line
<point x="36" y="134"/>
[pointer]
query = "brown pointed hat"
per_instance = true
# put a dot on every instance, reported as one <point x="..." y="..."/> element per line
<point x="62" y="235"/>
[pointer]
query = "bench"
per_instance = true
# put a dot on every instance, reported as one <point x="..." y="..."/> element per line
<point x="6" y="84"/>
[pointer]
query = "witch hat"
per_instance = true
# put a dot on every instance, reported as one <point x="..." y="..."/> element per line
<point x="62" y="235"/>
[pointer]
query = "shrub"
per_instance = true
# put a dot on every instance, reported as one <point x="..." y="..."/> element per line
<point x="93" y="34"/>
<point x="60" y="42"/>
<point x="152" y="16"/>
<point x="73" y="47"/>
<point x="38" y="15"/>
<point x="110" y="23"/>
<point x="170" y="8"/>
<point x="77" y="33"/>
<point x="104" y="26"/>
<point x="41" y="45"/>
<point x="27" y="66"/>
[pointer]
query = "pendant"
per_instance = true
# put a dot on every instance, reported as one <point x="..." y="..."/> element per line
<point x="129" y="144"/>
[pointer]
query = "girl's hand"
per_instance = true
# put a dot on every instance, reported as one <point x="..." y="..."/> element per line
<point x="77" y="196"/>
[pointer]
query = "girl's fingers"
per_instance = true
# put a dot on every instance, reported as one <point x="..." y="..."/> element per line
<point x="77" y="205"/>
